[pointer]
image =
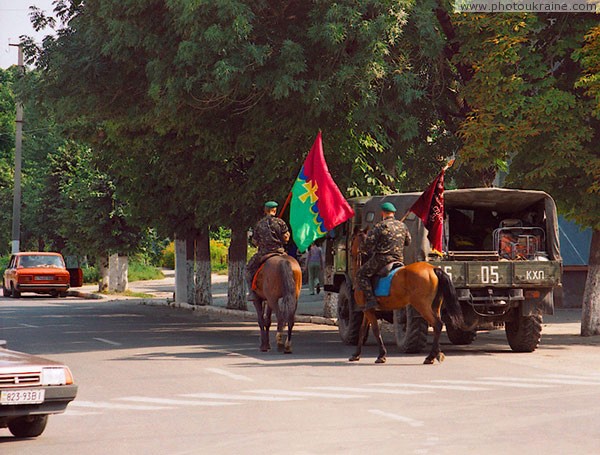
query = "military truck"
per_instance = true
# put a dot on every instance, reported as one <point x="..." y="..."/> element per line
<point x="501" y="250"/>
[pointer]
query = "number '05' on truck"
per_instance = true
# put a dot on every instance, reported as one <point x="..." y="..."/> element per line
<point x="501" y="250"/>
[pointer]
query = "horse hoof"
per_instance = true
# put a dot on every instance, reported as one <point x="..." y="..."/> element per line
<point x="441" y="356"/>
<point x="380" y="360"/>
<point x="265" y="348"/>
<point x="280" y="348"/>
<point x="287" y="351"/>
<point x="354" y="358"/>
<point x="428" y="361"/>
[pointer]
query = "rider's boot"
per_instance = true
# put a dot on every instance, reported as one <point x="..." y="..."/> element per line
<point x="252" y="295"/>
<point x="370" y="301"/>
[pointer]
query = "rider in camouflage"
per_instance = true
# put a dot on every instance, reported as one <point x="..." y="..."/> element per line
<point x="270" y="236"/>
<point x="384" y="244"/>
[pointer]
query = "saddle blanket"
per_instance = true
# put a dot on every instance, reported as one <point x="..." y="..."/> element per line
<point x="382" y="285"/>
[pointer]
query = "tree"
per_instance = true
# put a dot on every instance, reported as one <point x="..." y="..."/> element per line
<point x="528" y="113"/>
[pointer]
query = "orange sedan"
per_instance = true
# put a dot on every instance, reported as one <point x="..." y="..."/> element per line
<point x="39" y="272"/>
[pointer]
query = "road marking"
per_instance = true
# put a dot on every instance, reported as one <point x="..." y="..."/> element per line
<point x="399" y="418"/>
<point x="73" y="413"/>
<point x="107" y="405"/>
<point x="223" y="396"/>
<point x="293" y="393"/>
<point x="430" y="386"/>
<point x="30" y="326"/>
<point x="237" y="377"/>
<point x="546" y="380"/>
<point x="594" y="379"/>
<point x="369" y="390"/>
<point x="498" y="383"/>
<point x="103" y="340"/>
<point x="177" y="402"/>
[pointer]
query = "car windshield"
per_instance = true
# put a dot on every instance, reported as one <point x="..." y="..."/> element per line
<point x="41" y="261"/>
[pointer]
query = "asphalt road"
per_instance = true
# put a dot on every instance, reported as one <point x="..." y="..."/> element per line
<point x="158" y="380"/>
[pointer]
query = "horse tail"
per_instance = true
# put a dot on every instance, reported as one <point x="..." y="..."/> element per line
<point x="288" y="300"/>
<point x="446" y="292"/>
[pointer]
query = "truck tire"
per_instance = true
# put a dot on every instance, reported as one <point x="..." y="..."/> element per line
<point x="410" y="330"/>
<point x="458" y="336"/>
<point x="524" y="332"/>
<point x="349" y="320"/>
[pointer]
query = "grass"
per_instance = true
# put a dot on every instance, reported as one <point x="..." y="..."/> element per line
<point x="128" y="293"/>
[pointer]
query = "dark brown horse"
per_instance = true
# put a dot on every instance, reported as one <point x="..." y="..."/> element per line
<point x="280" y="278"/>
<point x="419" y="284"/>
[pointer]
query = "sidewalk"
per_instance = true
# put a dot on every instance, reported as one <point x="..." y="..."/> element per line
<point x="162" y="291"/>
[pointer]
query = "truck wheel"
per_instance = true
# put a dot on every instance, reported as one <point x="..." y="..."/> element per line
<point x="524" y="332"/>
<point x="410" y="330"/>
<point x="458" y="336"/>
<point x="349" y="320"/>
<point x="28" y="427"/>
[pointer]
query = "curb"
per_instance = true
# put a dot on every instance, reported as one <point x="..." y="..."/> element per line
<point x="207" y="310"/>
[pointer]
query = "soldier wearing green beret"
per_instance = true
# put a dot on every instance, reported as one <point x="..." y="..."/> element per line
<point x="270" y="235"/>
<point x="384" y="244"/>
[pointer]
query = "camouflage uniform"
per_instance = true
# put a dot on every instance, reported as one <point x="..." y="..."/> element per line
<point x="385" y="243"/>
<point x="268" y="236"/>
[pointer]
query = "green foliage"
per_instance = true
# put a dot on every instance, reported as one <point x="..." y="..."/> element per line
<point x="168" y="256"/>
<point x="138" y="271"/>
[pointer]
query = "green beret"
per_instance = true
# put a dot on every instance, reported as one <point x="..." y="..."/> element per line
<point x="271" y="204"/>
<point x="388" y="207"/>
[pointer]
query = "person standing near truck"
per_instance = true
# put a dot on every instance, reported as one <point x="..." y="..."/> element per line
<point x="314" y="264"/>
<point x="384" y="244"/>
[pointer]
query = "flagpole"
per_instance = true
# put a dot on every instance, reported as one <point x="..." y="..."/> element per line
<point x="286" y="203"/>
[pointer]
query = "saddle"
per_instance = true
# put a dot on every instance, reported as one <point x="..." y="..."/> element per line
<point x="262" y="262"/>
<point x="382" y="280"/>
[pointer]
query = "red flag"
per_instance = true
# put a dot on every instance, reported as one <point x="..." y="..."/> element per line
<point x="430" y="208"/>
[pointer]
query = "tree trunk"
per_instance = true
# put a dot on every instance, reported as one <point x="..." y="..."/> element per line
<point x="203" y="268"/>
<point x="590" y="317"/>
<point x="103" y="272"/>
<point x="180" y="271"/>
<point x="238" y="250"/>
<point x="123" y="283"/>
<point x="189" y="271"/>
<point x="117" y="273"/>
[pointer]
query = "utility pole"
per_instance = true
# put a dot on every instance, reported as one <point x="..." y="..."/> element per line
<point x="16" y="221"/>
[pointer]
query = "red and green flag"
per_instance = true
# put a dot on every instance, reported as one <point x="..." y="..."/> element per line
<point x="317" y="205"/>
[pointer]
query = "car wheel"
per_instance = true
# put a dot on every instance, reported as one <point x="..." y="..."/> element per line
<point x="28" y="427"/>
<point x="6" y="292"/>
<point x="15" y="294"/>
<point x="54" y="294"/>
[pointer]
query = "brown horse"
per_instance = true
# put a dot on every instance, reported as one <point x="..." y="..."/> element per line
<point x="279" y="278"/>
<point x="419" y="284"/>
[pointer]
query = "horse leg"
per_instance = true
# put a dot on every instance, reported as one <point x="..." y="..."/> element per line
<point x="435" y="353"/>
<point x="287" y="349"/>
<point x="377" y="334"/>
<point x="364" y="329"/>
<point x="264" y="331"/>
<point x="268" y="323"/>
<point x="280" y="325"/>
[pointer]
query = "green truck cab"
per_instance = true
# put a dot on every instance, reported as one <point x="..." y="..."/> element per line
<point x="501" y="250"/>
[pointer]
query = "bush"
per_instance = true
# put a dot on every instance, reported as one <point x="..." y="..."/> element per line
<point x="90" y="274"/>
<point x="168" y="256"/>
<point x="138" y="271"/>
